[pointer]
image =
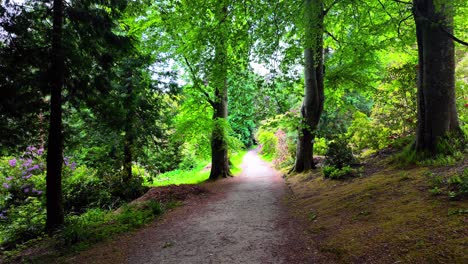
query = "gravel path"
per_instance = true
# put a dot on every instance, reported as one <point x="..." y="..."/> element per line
<point x="243" y="221"/>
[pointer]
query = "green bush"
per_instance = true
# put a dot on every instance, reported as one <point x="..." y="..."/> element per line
<point x="83" y="190"/>
<point x="337" y="173"/>
<point x="22" y="223"/>
<point x="96" y="224"/>
<point x="365" y="133"/>
<point x="268" y="142"/>
<point x="320" y="146"/>
<point x="339" y="154"/>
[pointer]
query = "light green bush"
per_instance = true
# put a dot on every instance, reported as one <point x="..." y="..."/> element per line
<point x="268" y="142"/>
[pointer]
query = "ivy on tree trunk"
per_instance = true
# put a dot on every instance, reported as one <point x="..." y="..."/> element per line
<point x="312" y="105"/>
<point x="219" y="147"/>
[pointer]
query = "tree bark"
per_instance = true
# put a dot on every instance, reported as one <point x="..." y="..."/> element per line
<point x="312" y="105"/>
<point x="219" y="147"/>
<point x="437" y="113"/>
<point x="55" y="217"/>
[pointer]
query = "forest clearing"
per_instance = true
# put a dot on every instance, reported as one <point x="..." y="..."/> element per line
<point x="233" y="131"/>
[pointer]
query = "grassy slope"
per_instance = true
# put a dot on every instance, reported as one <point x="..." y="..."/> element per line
<point x="196" y="175"/>
<point x="386" y="217"/>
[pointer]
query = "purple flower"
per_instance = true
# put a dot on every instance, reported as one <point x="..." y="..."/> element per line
<point x="3" y="216"/>
<point x="6" y="185"/>
<point x="73" y="166"/>
<point x="27" y="176"/>
<point x="35" y="167"/>
<point x="40" y="151"/>
<point x="12" y="162"/>
<point x="26" y="190"/>
<point x="9" y="178"/>
<point x="31" y="148"/>
<point x="27" y="163"/>
<point x="39" y="192"/>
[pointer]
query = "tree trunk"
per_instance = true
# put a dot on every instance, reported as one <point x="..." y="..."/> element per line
<point x="129" y="133"/>
<point x="312" y="105"/>
<point x="219" y="148"/>
<point x="128" y="146"/>
<point x="54" y="204"/>
<point x="437" y="113"/>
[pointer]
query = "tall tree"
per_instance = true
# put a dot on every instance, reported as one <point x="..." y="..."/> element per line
<point x="312" y="105"/>
<point x="219" y="147"/>
<point x="437" y="113"/>
<point x="55" y="216"/>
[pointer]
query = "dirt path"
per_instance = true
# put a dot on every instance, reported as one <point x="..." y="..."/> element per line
<point x="243" y="221"/>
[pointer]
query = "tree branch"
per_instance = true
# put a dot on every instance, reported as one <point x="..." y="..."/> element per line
<point x="450" y="35"/>
<point x="401" y="21"/>
<point x="325" y="12"/>
<point x="333" y="37"/>
<point x="196" y="82"/>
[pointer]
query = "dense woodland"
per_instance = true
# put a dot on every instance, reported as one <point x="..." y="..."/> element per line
<point x="102" y="99"/>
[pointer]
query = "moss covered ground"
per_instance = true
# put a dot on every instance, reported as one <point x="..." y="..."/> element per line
<point x="389" y="215"/>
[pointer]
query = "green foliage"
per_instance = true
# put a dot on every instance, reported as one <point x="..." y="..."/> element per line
<point x="96" y="224"/>
<point x="335" y="173"/>
<point x="83" y="190"/>
<point x="268" y="142"/>
<point x="450" y="150"/>
<point x="455" y="186"/>
<point x="364" y="133"/>
<point x="198" y="174"/>
<point x="22" y="223"/>
<point x="320" y="146"/>
<point x="339" y="154"/>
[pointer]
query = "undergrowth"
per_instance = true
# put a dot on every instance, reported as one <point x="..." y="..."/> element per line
<point x="450" y="150"/>
<point x="193" y="176"/>
<point x="455" y="186"/>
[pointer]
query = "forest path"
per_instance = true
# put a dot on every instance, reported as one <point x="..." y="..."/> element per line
<point x="244" y="220"/>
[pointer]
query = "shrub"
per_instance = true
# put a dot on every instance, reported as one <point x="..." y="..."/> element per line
<point x="337" y="173"/>
<point x="320" y="146"/>
<point x="365" y="133"/>
<point x="282" y="153"/>
<point x="339" y="154"/>
<point x="268" y="142"/>
<point x="83" y="190"/>
<point x="23" y="222"/>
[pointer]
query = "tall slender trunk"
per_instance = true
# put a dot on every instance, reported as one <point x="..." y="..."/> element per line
<point x="54" y="204"/>
<point x="129" y="136"/>
<point x="312" y="105"/>
<point x="219" y="148"/>
<point x="436" y="75"/>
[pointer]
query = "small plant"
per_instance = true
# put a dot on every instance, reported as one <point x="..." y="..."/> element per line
<point x="312" y="216"/>
<point x="435" y="191"/>
<point x="337" y="173"/>
<point x="456" y="186"/>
